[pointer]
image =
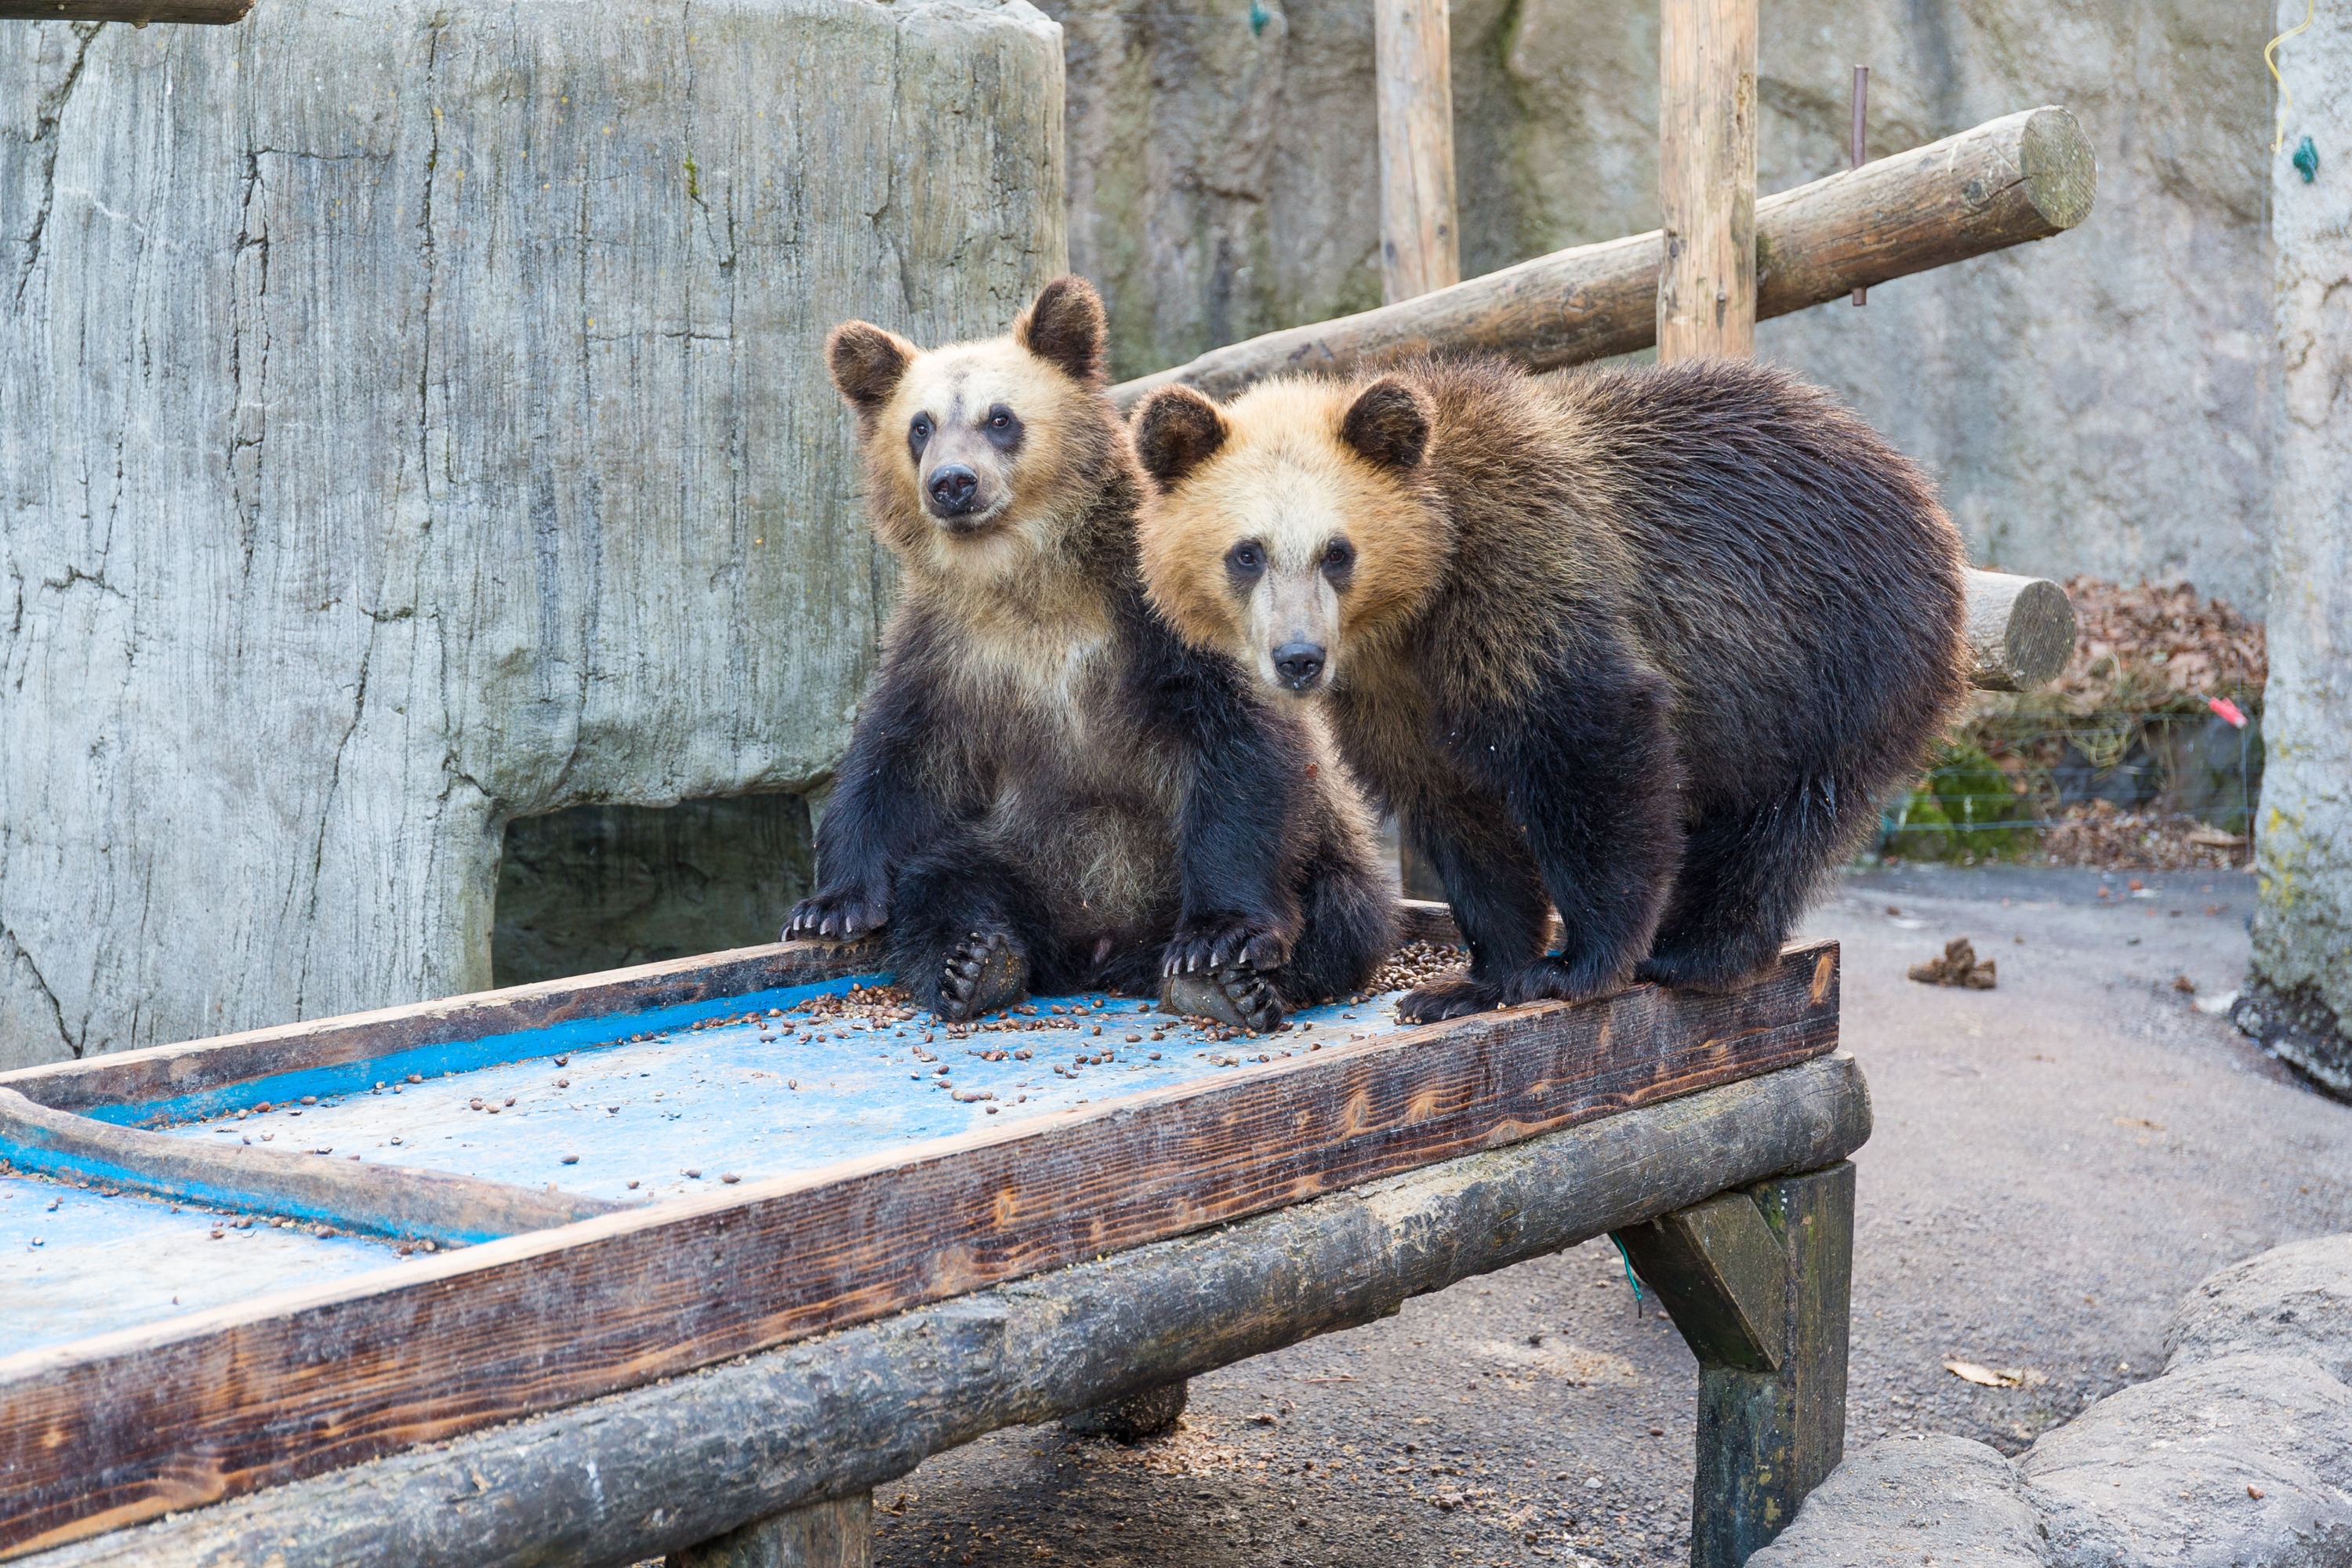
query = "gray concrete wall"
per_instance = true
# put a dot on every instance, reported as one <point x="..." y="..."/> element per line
<point x="2303" y="933"/>
<point x="412" y="419"/>
<point x="2099" y="403"/>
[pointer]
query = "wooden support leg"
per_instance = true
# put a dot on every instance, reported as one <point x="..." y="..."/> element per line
<point x="823" y="1535"/>
<point x="1136" y="1417"/>
<point x="1758" y="1280"/>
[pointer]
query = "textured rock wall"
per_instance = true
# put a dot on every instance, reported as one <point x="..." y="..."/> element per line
<point x="2100" y="403"/>
<point x="2303" y="931"/>
<point x="411" y="418"/>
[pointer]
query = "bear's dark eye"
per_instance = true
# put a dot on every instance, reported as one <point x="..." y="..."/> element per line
<point x="919" y="434"/>
<point x="1245" y="562"/>
<point x="1003" y="428"/>
<point x="1338" y="560"/>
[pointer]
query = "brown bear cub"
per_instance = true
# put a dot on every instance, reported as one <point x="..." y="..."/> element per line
<point x="1648" y="645"/>
<point x="1046" y="788"/>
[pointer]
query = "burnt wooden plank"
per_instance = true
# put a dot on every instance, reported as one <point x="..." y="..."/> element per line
<point x="131" y="1425"/>
<point x="386" y="1200"/>
<point x="162" y="1072"/>
<point x="662" y="1466"/>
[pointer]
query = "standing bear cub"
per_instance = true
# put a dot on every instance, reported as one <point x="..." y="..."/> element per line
<point x="1649" y="646"/>
<point x="1046" y="788"/>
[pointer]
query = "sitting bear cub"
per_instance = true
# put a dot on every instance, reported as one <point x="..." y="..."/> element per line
<point x="1648" y="645"/>
<point x="1046" y="788"/>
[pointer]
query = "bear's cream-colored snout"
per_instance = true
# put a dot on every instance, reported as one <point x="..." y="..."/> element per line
<point x="962" y="478"/>
<point x="1295" y="627"/>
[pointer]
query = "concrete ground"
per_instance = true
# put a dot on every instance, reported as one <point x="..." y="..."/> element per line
<point x="2055" y="1161"/>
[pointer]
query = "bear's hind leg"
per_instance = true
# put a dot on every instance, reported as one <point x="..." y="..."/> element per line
<point x="1348" y="930"/>
<point x="1746" y="876"/>
<point x="968" y="935"/>
<point x="1496" y="897"/>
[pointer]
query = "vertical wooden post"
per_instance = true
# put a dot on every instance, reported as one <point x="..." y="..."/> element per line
<point x="1857" y="151"/>
<point x="838" y="1534"/>
<point x="1759" y="1283"/>
<point x="1707" y="177"/>
<point x="1420" y="247"/>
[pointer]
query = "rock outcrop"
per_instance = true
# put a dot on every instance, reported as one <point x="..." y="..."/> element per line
<point x="412" y="419"/>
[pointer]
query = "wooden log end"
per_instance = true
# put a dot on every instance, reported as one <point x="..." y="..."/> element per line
<point x="2021" y="630"/>
<point x="2062" y="173"/>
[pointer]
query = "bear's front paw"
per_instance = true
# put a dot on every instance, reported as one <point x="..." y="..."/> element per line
<point x="1554" y="979"/>
<point x="1211" y="943"/>
<point x="984" y="972"/>
<point x="1451" y="998"/>
<point x="838" y="914"/>
<point x="1237" y="997"/>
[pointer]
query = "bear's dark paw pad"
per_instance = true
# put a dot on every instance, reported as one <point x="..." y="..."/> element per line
<point x="1224" y="942"/>
<point x="1452" y="997"/>
<point x="838" y="915"/>
<point x="982" y="972"/>
<point x="1237" y="997"/>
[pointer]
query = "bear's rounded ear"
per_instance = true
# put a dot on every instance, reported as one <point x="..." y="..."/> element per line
<point x="867" y="364"/>
<point x="1389" y="423"/>
<point x="1176" y="431"/>
<point x="1064" y="326"/>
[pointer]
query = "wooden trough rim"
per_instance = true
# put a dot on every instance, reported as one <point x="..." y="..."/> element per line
<point x="705" y="984"/>
<point x="122" y="1426"/>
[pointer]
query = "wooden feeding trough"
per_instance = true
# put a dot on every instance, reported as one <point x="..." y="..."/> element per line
<point x="536" y="1206"/>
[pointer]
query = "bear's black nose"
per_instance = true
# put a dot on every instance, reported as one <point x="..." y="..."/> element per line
<point x="953" y="488"/>
<point x="1299" y="664"/>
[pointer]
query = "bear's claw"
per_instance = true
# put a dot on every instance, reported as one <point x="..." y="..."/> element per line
<point x="982" y="974"/>
<point x="838" y="915"/>
<point x="1224" y="942"/>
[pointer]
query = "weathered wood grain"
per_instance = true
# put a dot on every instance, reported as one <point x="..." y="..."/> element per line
<point x="383" y="1200"/>
<point x="138" y="13"/>
<point x="145" y="1421"/>
<point x="1768" y="1436"/>
<point x="661" y="1466"/>
<point x="1421" y="236"/>
<point x="2021" y="630"/>
<point x="1724" y="1274"/>
<point x="1706" y="178"/>
<point x="2025" y="176"/>
<point x="173" y="1071"/>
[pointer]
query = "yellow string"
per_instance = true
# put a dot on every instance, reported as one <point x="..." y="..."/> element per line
<point x="2270" y="58"/>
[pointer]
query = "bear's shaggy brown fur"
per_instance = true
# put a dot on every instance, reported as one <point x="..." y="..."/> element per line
<point x="1649" y="645"/>
<point x="1046" y="788"/>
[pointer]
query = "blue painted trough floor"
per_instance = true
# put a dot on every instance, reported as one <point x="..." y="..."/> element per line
<point x="780" y="1081"/>
<point x="759" y="1085"/>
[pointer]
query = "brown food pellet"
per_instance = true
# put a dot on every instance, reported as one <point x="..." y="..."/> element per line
<point x="729" y="1177"/>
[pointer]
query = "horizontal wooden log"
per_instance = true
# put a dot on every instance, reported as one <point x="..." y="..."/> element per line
<point x="186" y="1412"/>
<point x="659" y="1468"/>
<point x="383" y="1200"/>
<point x="138" y="13"/>
<point x="2023" y="177"/>
<point x="2021" y="630"/>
